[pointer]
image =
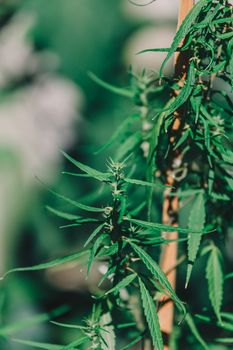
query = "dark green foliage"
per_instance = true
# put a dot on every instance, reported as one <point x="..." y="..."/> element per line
<point x="214" y="275"/>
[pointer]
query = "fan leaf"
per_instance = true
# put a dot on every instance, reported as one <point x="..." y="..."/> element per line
<point x="161" y="227"/>
<point x="151" y="316"/>
<point x="196" y="222"/>
<point x="190" y="322"/>
<point x="215" y="278"/>
<point x="122" y="284"/>
<point x="98" y="175"/>
<point x="62" y="214"/>
<point x="155" y="269"/>
<point x="49" y="264"/>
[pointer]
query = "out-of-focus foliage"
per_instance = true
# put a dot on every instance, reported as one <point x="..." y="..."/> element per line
<point x="45" y="50"/>
<point x="117" y="222"/>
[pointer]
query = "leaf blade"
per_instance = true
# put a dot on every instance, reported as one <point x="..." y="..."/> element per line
<point x="62" y="214"/>
<point x="96" y="174"/>
<point x="94" y="234"/>
<point x="196" y="222"/>
<point x="190" y="322"/>
<point x="155" y="269"/>
<point x="151" y="316"/>
<point x="49" y="264"/>
<point x="183" y="30"/>
<point x="159" y="227"/>
<point x="122" y="284"/>
<point x="215" y="279"/>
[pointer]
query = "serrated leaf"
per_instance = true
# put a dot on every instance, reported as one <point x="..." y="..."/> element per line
<point x="94" y="234"/>
<point x="155" y="269"/>
<point x="154" y="136"/>
<point x="196" y="222"/>
<point x="215" y="278"/>
<point x="156" y="242"/>
<point x="195" y="331"/>
<point x="75" y="174"/>
<point x="182" y="139"/>
<point x="122" y="284"/>
<point x="183" y="94"/>
<point x="107" y="332"/>
<point x="62" y="214"/>
<point x="144" y="183"/>
<point x="161" y="49"/>
<point x="108" y="250"/>
<point x="160" y="227"/>
<point x="184" y="30"/>
<point x="80" y="222"/>
<point x="77" y="204"/>
<point x="153" y="144"/>
<point x="151" y="317"/>
<point x="66" y="325"/>
<point x="49" y="264"/>
<point x="98" y="175"/>
<point x="107" y="274"/>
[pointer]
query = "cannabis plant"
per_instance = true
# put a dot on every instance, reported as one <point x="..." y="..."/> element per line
<point x="181" y="146"/>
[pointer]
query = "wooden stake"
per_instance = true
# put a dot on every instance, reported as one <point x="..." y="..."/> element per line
<point x="184" y="8"/>
<point x="170" y="206"/>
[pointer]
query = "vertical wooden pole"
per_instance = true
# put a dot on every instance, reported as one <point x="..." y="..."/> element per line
<point x="184" y="8"/>
<point x="170" y="206"/>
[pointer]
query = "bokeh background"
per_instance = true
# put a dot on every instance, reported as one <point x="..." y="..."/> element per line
<point x="48" y="103"/>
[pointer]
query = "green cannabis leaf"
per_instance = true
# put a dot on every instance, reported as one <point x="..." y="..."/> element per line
<point x="195" y="331"/>
<point x="122" y="284"/>
<point x="98" y="175"/>
<point x="184" y="29"/>
<point x="215" y="278"/>
<point x="49" y="264"/>
<point x="151" y="316"/>
<point x="155" y="269"/>
<point x="196" y="222"/>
